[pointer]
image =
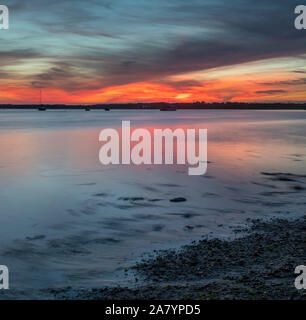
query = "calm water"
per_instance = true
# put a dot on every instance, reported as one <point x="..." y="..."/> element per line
<point x="66" y="220"/>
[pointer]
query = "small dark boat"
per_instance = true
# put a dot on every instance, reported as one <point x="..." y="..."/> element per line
<point x="168" y="109"/>
<point x="107" y="109"/>
<point x="41" y="107"/>
<point x="87" y="109"/>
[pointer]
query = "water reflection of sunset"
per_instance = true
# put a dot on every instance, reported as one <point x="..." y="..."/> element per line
<point x="229" y="142"/>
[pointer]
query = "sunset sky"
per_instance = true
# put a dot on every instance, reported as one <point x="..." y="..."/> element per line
<point x="98" y="51"/>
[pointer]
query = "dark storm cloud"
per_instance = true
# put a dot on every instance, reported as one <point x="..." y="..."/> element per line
<point x="124" y="41"/>
<point x="271" y="91"/>
<point x="299" y="71"/>
<point x="291" y="82"/>
<point x="18" y="54"/>
<point x="239" y="32"/>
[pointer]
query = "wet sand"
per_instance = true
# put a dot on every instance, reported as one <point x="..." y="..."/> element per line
<point x="259" y="264"/>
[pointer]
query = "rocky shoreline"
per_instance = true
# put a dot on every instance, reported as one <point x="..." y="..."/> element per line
<point x="258" y="265"/>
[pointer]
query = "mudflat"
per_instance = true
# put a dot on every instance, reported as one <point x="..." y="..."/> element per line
<point x="259" y="264"/>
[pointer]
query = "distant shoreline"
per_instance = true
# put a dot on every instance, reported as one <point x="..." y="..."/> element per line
<point x="163" y="106"/>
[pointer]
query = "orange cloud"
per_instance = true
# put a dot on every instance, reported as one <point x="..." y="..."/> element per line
<point x="231" y="87"/>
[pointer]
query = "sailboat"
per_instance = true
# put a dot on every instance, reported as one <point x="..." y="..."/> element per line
<point x="41" y="107"/>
